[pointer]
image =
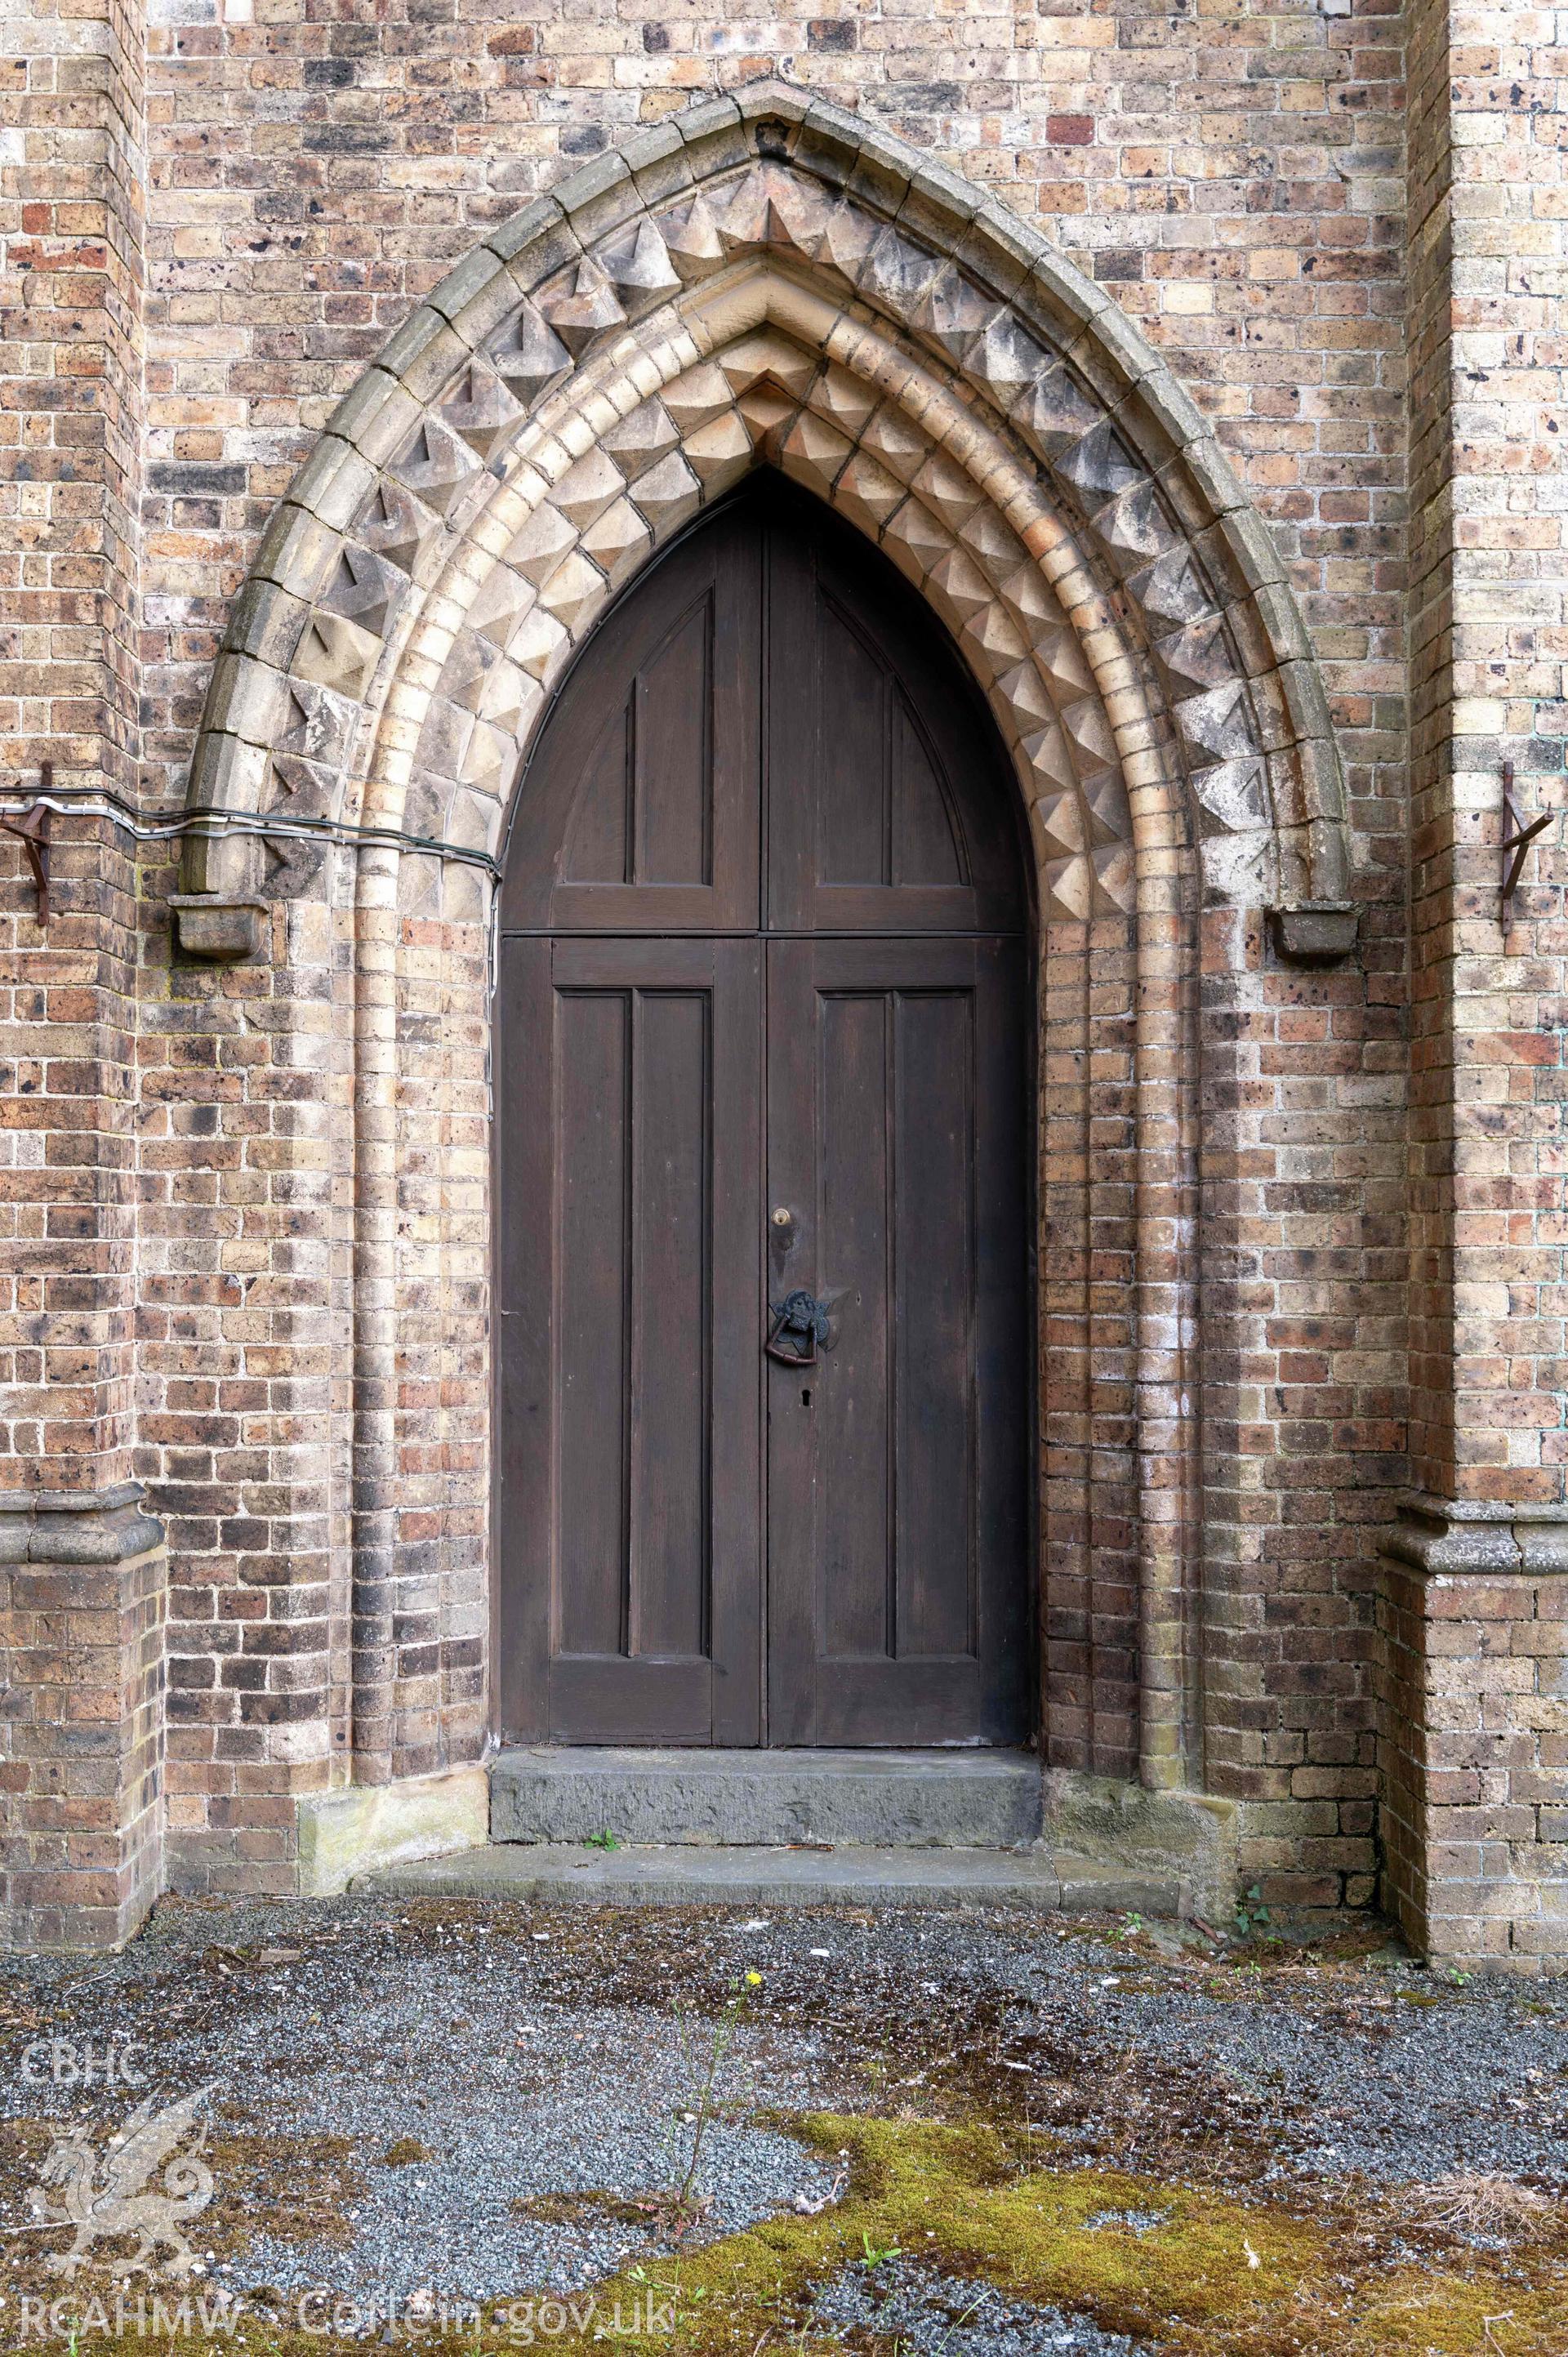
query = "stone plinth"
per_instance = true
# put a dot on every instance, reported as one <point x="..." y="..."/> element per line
<point x="83" y="1602"/>
<point x="1475" y="1820"/>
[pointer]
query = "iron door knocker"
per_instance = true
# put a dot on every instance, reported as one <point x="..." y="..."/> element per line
<point x="800" y="1324"/>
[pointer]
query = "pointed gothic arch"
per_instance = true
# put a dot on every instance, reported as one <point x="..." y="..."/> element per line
<point x="767" y="281"/>
<point x="768" y="278"/>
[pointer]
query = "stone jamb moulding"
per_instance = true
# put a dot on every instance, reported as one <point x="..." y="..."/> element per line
<point x="770" y="280"/>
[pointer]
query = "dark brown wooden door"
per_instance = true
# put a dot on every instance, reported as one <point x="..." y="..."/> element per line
<point x="896" y="1518"/>
<point x="629" y="1269"/>
<point x="760" y="1028"/>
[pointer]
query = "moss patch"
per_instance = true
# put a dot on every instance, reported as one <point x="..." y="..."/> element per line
<point x="1200" y="2275"/>
<point x="1216" y="2274"/>
<point x="1453" y="2316"/>
<point x="589" y="2207"/>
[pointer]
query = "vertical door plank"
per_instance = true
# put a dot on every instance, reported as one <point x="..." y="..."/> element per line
<point x="599" y="843"/>
<point x="672" y="761"/>
<point x="525" y="1343"/>
<point x="795" y="1516"/>
<point x="1004" y="1314"/>
<point x="855" y="1185"/>
<point x="792" y="758"/>
<point x="739" y="1306"/>
<point x="926" y="839"/>
<point x="669" y="1314"/>
<point x="853" y="823"/>
<point x="594" y="1249"/>
<point x="940" y="1153"/>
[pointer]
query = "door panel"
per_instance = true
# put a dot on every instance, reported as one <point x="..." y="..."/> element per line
<point x="935" y="1129"/>
<point x="897" y="1481"/>
<point x="629" y="1550"/>
<point x="642" y="809"/>
<point x="887" y="805"/>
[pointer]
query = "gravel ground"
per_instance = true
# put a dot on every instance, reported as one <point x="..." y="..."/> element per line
<point x="924" y="2315"/>
<point x="590" y="2102"/>
<point x="532" y="2056"/>
<point x="512" y="2094"/>
<point x="1390" y="2072"/>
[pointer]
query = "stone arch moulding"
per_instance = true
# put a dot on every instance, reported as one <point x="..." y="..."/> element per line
<point x="768" y="279"/>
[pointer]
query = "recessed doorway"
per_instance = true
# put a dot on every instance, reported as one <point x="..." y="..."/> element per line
<point x="764" y="1276"/>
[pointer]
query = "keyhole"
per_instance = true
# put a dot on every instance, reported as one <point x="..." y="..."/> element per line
<point x="805" y="1399"/>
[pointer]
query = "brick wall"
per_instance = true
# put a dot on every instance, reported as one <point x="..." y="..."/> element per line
<point x="1494" y="1066"/>
<point x="83" y="1602"/>
<point x="1234" y="181"/>
<point x="1236" y="177"/>
<point x="1475" y="1757"/>
<point x="72" y="190"/>
<point x="71" y="322"/>
<point x="1475" y="1820"/>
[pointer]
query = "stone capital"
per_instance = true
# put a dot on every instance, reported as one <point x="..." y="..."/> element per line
<point x="1480" y="1535"/>
<point x="61" y="1526"/>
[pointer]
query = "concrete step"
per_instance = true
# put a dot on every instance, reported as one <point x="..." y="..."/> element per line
<point x="690" y="1875"/>
<point x="890" y="1800"/>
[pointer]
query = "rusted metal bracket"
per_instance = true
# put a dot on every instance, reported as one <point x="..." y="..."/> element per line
<point x="1516" y="842"/>
<point x="31" y="828"/>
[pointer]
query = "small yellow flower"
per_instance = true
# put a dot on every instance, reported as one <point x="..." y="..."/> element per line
<point x="754" y="1980"/>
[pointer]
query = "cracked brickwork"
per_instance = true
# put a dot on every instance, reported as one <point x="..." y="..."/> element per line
<point x="280" y="1169"/>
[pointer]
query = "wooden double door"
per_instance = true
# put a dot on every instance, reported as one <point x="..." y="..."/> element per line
<point x="763" y="1271"/>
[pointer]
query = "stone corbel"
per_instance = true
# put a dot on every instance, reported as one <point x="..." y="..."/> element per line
<point x="216" y="925"/>
<point x="1315" y="933"/>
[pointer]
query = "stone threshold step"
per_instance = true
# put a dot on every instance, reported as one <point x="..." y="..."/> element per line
<point x="690" y="1875"/>
<point x="951" y="1799"/>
